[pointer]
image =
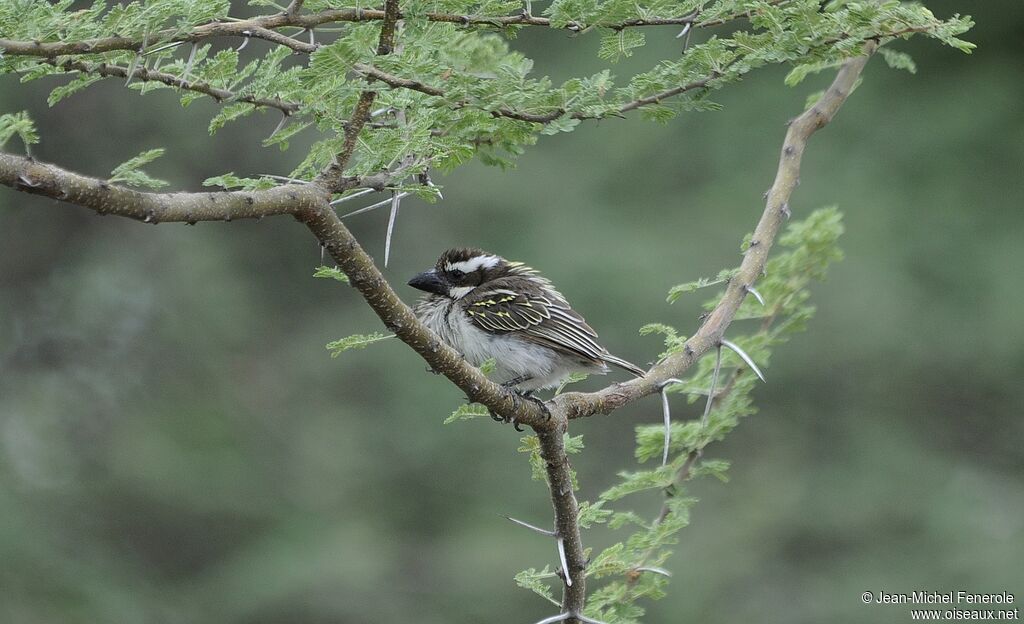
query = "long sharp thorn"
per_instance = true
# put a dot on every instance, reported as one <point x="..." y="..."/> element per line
<point x="352" y="196"/>
<point x="711" y="390"/>
<point x="588" y="620"/>
<point x="168" y="46"/>
<point x="661" y="571"/>
<point x="135" y="60"/>
<point x="565" y="562"/>
<point x="131" y="69"/>
<point x="284" y="178"/>
<point x="667" y="414"/>
<point x="531" y="527"/>
<point x="188" y="64"/>
<point x="685" y="31"/>
<point x="312" y="39"/>
<point x="556" y="618"/>
<point x="245" y="41"/>
<point x="396" y="200"/>
<point x="371" y="207"/>
<point x="743" y="356"/>
<point x="757" y="295"/>
<point x="322" y="248"/>
<point x="280" y="124"/>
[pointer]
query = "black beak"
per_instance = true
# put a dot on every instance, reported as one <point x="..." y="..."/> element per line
<point x="430" y="282"/>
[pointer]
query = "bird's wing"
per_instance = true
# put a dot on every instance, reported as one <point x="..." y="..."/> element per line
<point x="539" y="315"/>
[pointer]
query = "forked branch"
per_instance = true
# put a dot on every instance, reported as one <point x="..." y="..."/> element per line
<point x="309" y="203"/>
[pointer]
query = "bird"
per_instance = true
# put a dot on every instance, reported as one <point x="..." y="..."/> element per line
<point x="485" y="307"/>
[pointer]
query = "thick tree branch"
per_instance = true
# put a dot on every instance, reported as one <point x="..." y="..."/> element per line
<point x="31" y="176"/>
<point x="309" y="204"/>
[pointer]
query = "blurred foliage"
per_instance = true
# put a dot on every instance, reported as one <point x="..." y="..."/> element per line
<point x="176" y="446"/>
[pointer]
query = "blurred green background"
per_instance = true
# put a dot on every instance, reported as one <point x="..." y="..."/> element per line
<point x="177" y="446"/>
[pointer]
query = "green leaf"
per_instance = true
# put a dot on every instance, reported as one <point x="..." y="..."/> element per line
<point x="18" y="124"/>
<point x="898" y="60"/>
<point x="633" y="482"/>
<point x="679" y="290"/>
<point x="620" y="44"/>
<point x="573" y="378"/>
<point x="593" y="513"/>
<point x="488" y="366"/>
<point x="230" y="180"/>
<point x="356" y="341"/>
<point x="468" y="411"/>
<point x="715" y="467"/>
<point x="333" y="273"/>
<point x="130" y="171"/>
<point x="537" y="582"/>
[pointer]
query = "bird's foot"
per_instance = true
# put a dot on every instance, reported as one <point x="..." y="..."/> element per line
<point x="540" y="403"/>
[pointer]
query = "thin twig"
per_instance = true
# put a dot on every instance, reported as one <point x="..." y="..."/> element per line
<point x="171" y="80"/>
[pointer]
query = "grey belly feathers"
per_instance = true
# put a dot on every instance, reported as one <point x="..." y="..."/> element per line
<point x="538" y="367"/>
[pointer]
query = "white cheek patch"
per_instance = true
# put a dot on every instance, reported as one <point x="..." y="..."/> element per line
<point x="460" y="291"/>
<point x="468" y="266"/>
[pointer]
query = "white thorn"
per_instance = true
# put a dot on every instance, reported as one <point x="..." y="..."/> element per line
<point x="757" y="295"/>
<point x="245" y="41"/>
<point x="556" y="618"/>
<point x="530" y="526"/>
<point x="131" y="69"/>
<point x="284" y="178"/>
<point x="565" y="562"/>
<point x="280" y="124"/>
<point x="746" y="358"/>
<point x="711" y="390"/>
<point x="667" y="414"/>
<point x="588" y="620"/>
<point x="396" y="200"/>
<point x="661" y="571"/>
<point x="352" y="196"/>
<point x="371" y="206"/>
<point x="684" y="31"/>
<point x="188" y="64"/>
<point x="168" y="46"/>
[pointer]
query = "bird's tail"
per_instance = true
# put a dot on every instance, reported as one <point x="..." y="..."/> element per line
<point x="624" y="365"/>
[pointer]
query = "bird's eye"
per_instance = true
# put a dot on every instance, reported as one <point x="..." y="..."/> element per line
<point x="456" y="274"/>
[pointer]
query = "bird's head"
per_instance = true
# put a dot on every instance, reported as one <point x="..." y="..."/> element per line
<point x="459" y="271"/>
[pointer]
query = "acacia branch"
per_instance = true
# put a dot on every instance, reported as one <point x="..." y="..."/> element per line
<point x="776" y="211"/>
<point x="540" y="118"/>
<point x="361" y="115"/>
<point x="148" y="75"/>
<point x="309" y="204"/>
<point x="264" y="27"/>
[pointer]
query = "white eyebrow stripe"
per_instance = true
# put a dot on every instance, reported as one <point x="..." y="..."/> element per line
<point x="468" y="266"/>
<point x="460" y="291"/>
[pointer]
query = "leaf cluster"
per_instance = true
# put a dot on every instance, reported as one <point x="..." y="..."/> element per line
<point x="491" y="94"/>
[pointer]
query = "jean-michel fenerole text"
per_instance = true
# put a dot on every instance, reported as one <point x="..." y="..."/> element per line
<point x="952" y="597"/>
